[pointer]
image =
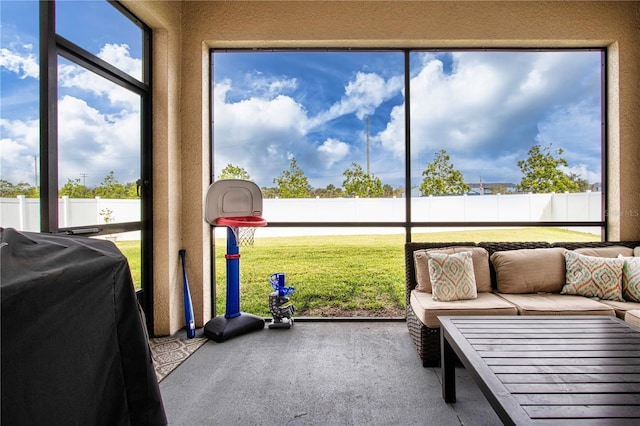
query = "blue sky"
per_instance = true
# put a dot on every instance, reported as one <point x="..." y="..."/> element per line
<point x="486" y="109"/>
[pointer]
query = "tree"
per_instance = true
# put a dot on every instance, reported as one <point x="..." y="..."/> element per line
<point x="329" y="192"/>
<point x="583" y="184"/>
<point x="390" y="192"/>
<point x="293" y="183"/>
<point x="111" y="188"/>
<point x="6" y="189"/>
<point x="332" y="192"/>
<point x="132" y="190"/>
<point x="542" y="172"/>
<point x="269" y="192"/>
<point x="9" y="190"/>
<point x="73" y="189"/>
<point x="499" y="188"/>
<point x="234" y="172"/>
<point x="440" y="178"/>
<point x="357" y="183"/>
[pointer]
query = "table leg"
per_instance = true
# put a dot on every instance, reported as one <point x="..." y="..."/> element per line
<point x="448" y="362"/>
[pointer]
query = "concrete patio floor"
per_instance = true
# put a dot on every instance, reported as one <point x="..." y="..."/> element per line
<point x="318" y="373"/>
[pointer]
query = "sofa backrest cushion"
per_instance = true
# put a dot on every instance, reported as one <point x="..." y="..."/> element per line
<point x="479" y="256"/>
<point x="540" y="270"/>
<point x="611" y="251"/>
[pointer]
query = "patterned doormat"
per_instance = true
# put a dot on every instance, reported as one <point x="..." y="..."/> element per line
<point x="169" y="352"/>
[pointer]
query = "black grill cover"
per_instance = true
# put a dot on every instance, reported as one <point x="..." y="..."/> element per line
<point x="74" y="351"/>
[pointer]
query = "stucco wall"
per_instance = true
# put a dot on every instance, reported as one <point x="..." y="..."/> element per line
<point x="186" y="30"/>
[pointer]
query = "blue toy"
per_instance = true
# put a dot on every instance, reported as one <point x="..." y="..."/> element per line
<point x="278" y="300"/>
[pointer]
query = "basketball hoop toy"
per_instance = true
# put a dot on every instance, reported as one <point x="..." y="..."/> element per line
<point x="236" y="204"/>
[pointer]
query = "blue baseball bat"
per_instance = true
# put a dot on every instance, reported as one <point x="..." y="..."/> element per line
<point x="188" y="306"/>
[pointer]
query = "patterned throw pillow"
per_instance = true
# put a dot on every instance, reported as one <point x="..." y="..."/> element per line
<point x="631" y="279"/>
<point x="593" y="276"/>
<point x="452" y="276"/>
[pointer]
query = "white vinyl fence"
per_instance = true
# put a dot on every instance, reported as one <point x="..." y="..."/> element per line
<point x="23" y="213"/>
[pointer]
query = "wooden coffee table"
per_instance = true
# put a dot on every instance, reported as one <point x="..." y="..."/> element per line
<point x="547" y="369"/>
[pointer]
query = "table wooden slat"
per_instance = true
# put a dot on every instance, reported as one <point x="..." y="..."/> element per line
<point x="565" y="369"/>
<point x="544" y="347"/>
<point x="579" y="399"/>
<point x="582" y="412"/>
<point x="562" y="361"/>
<point x="569" y="378"/>
<point x="546" y="340"/>
<point x="560" y="354"/>
<point x="585" y="388"/>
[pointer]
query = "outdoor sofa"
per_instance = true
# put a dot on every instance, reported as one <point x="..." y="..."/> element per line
<point x="516" y="278"/>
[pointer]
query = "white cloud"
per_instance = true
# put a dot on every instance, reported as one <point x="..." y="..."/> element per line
<point x="362" y="96"/>
<point x="269" y="87"/>
<point x="333" y="150"/>
<point x="456" y="110"/>
<point x="258" y="133"/>
<point x="95" y="143"/>
<point x="585" y="172"/>
<point x="24" y="64"/>
<point x="72" y="76"/>
<point x="18" y="147"/>
<point x="392" y="138"/>
<point x="242" y="121"/>
<point x="119" y="56"/>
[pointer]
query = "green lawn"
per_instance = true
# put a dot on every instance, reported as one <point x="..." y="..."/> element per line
<point x="131" y="250"/>
<point x="360" y="275"/>
<point x="333" y="276"/>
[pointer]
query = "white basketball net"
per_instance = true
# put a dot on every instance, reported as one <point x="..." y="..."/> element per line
<point x="244" y="235"/>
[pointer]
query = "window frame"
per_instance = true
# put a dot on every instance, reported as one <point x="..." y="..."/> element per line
<point x="53" y="45"/>
<point x="408" y="224"/>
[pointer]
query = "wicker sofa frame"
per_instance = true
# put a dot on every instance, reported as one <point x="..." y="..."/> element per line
<point x="427" y="339"/>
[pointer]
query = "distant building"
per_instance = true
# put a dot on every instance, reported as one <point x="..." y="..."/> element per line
<point x="487" y="188"/>
<point x="479" y="188"/>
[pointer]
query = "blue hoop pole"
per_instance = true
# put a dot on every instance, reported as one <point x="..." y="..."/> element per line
<point x="233" y="276"/>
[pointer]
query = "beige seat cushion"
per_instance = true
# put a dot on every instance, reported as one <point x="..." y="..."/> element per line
<point x="611" y="251"/>
<point x="428" y="310"/>
<point x="633" y="317"/>
<point x="622" y="307"/>
<point x="557" y="304"/>
<point x="530" y="270"/>
<point x="479" y="256"/>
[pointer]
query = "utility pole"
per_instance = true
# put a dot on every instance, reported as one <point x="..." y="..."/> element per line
<point x="35" y="170"/>
<point x="84" y="177"/>
<point x="368" y="172"/>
